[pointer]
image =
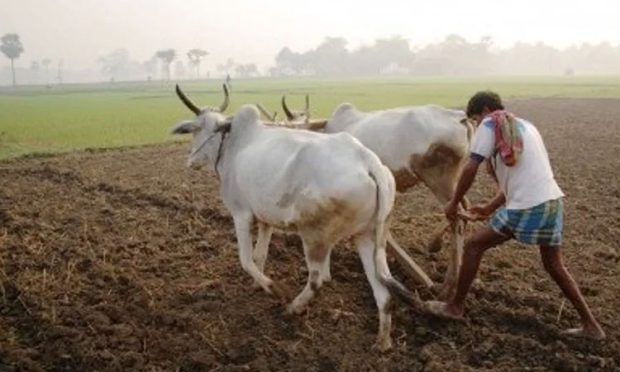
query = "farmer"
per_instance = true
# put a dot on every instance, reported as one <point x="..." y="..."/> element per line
<point x="528" y="206"/>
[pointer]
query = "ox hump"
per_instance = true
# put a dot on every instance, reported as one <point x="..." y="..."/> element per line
<point x="247" y="115"/>
<point x="344" y="108"/>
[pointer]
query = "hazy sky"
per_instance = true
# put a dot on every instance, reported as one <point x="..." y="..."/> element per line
<point x="79" y="31"/>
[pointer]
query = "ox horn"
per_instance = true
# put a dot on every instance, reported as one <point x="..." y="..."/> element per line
<point x="307" y="109"/>
<point x="289" y="114"/>
<point x="264" y="111"/>
<point x="188" y="102"/>
<point x="224" y="104"/>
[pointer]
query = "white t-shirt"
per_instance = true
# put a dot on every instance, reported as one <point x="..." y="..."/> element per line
<point x="530" y="181"/>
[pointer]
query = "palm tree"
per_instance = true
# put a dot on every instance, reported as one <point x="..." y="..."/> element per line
<point x="12" y="47"/>
<point x="195" y="56"/>
<point x="166" y="56"/>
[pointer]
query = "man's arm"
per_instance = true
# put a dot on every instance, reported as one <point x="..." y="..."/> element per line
<point x="496" y="202"/>
<point x="468" y="174"/>
<point x="485" y="210"/>
<point x="481" y="148"/>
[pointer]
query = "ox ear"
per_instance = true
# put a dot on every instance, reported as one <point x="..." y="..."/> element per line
<point x="185" y="127"/>
<point x="223" y="127"/>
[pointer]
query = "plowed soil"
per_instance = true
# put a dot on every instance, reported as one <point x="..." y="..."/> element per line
<point x="126" y="260"/>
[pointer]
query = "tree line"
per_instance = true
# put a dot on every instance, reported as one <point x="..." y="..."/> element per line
<point x="452" y="56"/>
<point x="118" y="65"/>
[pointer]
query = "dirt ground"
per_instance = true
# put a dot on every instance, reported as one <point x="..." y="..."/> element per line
<point x="126" y="260"/>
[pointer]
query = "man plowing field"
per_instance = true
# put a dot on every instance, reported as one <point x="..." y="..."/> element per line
<point x="528" y="206"/>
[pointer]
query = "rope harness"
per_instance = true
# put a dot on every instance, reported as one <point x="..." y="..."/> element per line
<point x="223" y="131"/>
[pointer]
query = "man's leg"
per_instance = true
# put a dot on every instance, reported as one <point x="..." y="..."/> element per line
<point x="552" y="261"/>
<point x="474" y="248"/>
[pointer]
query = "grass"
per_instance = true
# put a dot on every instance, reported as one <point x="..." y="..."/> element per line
<point x="39" y="120"/>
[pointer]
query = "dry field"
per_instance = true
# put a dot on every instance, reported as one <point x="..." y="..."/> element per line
<point x="126" y="260"/>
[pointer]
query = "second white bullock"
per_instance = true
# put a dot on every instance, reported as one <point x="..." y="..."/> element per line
<point x="324" y="187"/>
<point x="419" y="144"/>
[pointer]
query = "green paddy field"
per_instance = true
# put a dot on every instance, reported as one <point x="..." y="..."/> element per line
<point x="39" y="120"/>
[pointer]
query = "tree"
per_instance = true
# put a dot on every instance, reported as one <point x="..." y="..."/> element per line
<point x="60" y="71"/>
<point x="166" y="56"/>
<point x="12" y="47"/>
<point x="288" y="62"/>
<point x="247" y="70"/>
<point x="195" y="56"/>
<point x="226" y="67"/>
<point x="386" y="56"/>
<point x="35" y="68"/>
<point x="530" y="58"/>
<point x="329" y="58"/>
<point x="150" y="67"/>
<point x="240" y="70"/>
<point x="46" y="63"/>
<point x="114" y="63"/>
<point x="179" y="70"/>
<point x="455" y="56"/>
<point x="251" y="69"/>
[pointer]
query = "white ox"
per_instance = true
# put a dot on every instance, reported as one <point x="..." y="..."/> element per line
<point x="427" y="144"/>
<point x="324" y="187"/>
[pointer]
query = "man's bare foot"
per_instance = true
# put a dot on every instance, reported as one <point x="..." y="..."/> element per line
<point x="594" y="332"/>
<point x="443" y="310"/>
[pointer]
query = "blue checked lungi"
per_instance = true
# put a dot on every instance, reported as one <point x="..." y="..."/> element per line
<point x="540" y="225"/>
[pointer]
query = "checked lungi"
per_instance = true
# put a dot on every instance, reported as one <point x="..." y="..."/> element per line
<point x="540" y="225"/>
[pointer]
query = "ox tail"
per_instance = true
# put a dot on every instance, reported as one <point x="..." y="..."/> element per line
<point x="470" y="133"/>
<point x="385" y="193"/>
<point x="468" y="123"/>
<point x="470" y="128"/>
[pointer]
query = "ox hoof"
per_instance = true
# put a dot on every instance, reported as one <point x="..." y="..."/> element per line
<point x="383" y="344"/>
<point x="280" y="290"/>
<point x="445" y="292"/>
<point x="592" y="333"/>
<point x="440" y="310"/>
<point x="436" y="244"/>
<point x="295" y="309"/>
